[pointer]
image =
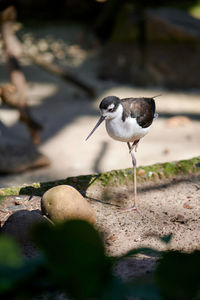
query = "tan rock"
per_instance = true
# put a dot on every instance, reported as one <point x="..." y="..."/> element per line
<point x="64" y="202"/>
<point x="141" y="172"/>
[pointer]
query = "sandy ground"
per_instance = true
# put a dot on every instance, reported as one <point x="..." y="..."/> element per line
<point x="170" y="207"/>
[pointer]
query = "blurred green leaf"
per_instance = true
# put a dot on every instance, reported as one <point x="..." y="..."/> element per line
<point x="75" y="255"/>
<point x="10" y="254"/>
<point x="10" y="261"/>
<point x="8" y="278"/>
<point x="74" y="262"/>
<point x="17" y="276"/>
<point x="119" y="290"/>
<point x="116" y="290"/>
<point x="178" y="275"/>
<point x="145" y="291"/>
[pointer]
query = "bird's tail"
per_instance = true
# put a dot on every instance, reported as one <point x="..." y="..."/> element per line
<point x="159" y="95"/>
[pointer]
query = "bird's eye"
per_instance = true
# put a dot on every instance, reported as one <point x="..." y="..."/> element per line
<point x="110" y="109"/>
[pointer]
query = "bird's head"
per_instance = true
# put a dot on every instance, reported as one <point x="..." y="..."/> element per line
<point x="109" y="110"/>
<point x="109" y="107"/>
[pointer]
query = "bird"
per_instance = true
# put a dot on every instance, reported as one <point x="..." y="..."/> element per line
<point x="127" y="120"/>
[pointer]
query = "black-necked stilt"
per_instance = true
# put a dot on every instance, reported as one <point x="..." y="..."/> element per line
<point x="127" y="120"/>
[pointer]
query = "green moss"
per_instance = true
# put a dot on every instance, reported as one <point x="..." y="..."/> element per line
<point x="1" y="198"/>
<point x="173" y="168"/>
<point x="10" y="191"/>
<point x="194" y="10"/>
<point x="115" y="177"/>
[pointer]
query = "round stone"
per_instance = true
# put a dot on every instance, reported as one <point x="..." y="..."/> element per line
<point x="19" y="226"/>
<point x="64" y="202"/>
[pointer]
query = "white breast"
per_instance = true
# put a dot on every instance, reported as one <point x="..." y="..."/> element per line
<point x="127" y="131"/>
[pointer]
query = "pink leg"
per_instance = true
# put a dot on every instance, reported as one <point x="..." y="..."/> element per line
<point x="131" y="149"/>
<point x="134" y="145"/>
<point x="135" y="179"/>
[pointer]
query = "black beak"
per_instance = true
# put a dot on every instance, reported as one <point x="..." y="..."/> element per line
<point x="95" y="127"/>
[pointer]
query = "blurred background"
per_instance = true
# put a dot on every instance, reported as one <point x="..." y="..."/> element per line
<point x="58" y="59"/>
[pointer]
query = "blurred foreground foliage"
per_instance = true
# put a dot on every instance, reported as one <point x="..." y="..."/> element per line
<point x="72" y="262"/>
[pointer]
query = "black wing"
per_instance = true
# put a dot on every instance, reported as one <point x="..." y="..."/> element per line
<point x="143" y="109"/>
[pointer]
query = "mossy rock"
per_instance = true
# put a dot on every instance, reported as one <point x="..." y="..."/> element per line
<point x="86" y="183"/>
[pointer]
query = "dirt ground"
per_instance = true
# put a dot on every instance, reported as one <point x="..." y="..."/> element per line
<point x="170" y="207"/>
<point x="68" y="116"/>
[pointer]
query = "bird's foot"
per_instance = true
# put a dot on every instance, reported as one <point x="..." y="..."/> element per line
<point x="126" y="209"/>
